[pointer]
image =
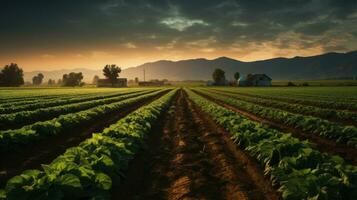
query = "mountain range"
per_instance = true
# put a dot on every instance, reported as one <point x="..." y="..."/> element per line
<point x="325" y="66"/>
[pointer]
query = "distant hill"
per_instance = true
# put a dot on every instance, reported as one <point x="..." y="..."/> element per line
<point x="324" y="66"/>
<point x="329" y="65"/>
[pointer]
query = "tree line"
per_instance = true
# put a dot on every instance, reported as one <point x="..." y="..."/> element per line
<point x="219" y="77"/>
<point x="13" y="76"/>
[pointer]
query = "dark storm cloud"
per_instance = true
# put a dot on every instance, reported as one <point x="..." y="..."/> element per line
<point x="49" y="25"/>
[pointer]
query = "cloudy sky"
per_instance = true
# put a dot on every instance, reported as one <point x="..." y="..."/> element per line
<point x="55" y="34"/>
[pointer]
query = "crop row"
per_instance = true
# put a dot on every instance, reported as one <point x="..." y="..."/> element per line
<point x="15" y="139"/>
<point x="17" y="119"/>
<point x="300" y="171"/>
<point x="298" y="108"/>
<point x="342" y="134"/>
<point x="43" y="95"/>
<point x="23" y="93"/>
<point x="316" y="102"/>
<point x="9" y="98"/>
<point x="27" y="101"/>
<point x="327" y="93"/>
<point x="324" y="97"/>
<point x="58" y="102"/>
<point x="89" y="170"/>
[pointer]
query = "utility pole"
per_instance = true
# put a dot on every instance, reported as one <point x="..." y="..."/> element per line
<point x="144" y="74"/>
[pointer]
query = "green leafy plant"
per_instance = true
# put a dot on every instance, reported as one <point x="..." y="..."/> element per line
<point x="299" y="171"/>
<point x="89" y="170"/>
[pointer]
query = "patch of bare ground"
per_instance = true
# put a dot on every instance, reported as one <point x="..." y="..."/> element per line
<point x="44" y="151"/>
<point x="189" y="157"/>
<point x="322" y="144"/>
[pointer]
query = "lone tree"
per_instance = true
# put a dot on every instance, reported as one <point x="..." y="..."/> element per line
<point x="236" y="76"/>
<point x="11" y="76"/>
<point x="112" y="73"/>
<point x="218" y="76"/>
<point x="72" y="79"/>
<point x="37" y="80"/>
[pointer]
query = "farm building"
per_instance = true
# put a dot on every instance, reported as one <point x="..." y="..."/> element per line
<point x="255" y="80"/>
<point x="120" y="82"/>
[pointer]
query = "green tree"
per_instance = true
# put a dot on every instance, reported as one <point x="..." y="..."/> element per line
<point x="112" y="73"/>
<point x="218" y="76"/>
<point x="37" y="80"/>
<point x="11" y="76"/>
<point x="236" y="76"/>
<point x="72" y="79"/>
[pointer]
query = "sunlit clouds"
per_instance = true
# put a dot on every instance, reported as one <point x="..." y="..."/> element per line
<point x="90" y="34"/>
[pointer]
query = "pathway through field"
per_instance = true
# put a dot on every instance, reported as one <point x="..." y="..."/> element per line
<point x="187" y="157"/>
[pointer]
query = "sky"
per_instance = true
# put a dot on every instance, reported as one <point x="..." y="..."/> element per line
<point x="64" y="34"/>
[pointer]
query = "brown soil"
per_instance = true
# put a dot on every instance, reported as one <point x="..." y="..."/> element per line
<point x="320" y="143"/>
<point x="46" y="150"/>
<point x="189" y="157"/>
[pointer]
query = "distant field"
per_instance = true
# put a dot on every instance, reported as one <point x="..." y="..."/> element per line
<point x="280" y="83"/>
<point x="125" y="143"/>
<point x="316" y="82"/>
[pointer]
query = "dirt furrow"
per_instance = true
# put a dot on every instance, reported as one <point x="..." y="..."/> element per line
<point x="46" y="150"/>
<point x="187" y="158"/>
<point x="320" y="143"/>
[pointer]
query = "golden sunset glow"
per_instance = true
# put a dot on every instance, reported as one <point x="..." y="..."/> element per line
<point x="62" y="35"/>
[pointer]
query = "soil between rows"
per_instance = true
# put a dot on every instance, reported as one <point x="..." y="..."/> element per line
<point x="188" y="156"/>
<point x="48" y="149"/>
<point x="320" y="143"/>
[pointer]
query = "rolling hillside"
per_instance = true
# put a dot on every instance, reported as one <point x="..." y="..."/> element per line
<point x="316" y="67"/>
<point x="323" y="66"/>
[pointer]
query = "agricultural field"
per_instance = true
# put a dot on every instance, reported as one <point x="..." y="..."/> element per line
<point x="179" y="143"/>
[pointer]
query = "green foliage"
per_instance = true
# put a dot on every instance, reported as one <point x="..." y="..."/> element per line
<point x="111" y="72"/>
<point x="294" y="107"/>
<point x="72" y="79"/>
<point x="37" y="80"/>
<point x="89" y="170"/>
<point x="218" y="76"/>
<point x="17" y="119"/>
<point x="325" y="128"/>
<point x="299" y="171"/>
<point x="15" y="139"/>
<point x="343" y="98"/>
<point x="42" y="102"/>
<point x="11" y="76"/>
